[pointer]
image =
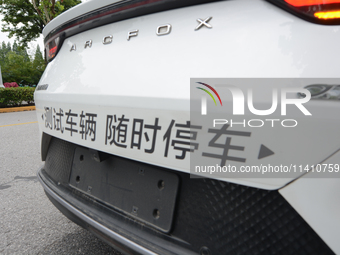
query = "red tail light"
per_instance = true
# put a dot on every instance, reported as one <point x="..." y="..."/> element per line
<point x="52" y="52"/>
<point x="51" y="48"/>
<point x="299" y="3"/>
<point x="318" y="11"/>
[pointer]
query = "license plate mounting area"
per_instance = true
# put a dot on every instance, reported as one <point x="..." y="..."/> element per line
<point x="144" y="192"/>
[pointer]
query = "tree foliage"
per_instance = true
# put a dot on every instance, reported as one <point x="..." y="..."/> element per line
<point x="49" y="9"/>
<point x="38" y="65"/>
<point x="17" y="66"/>
<point x="25" y="19"/>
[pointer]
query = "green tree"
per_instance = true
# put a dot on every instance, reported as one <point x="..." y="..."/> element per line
<point x="3" y="52"/>
<point x="9" y="47"/>
<point x="5" y="48"/>
<point x="23" y="52"/>
<point x="25" y="19"/>
<point x="49" y="9"/>
<point x="3" y="45"/>
<point x="17" y="68"/>
<point x="15" y="47"/>
<point x="38" y="65"/>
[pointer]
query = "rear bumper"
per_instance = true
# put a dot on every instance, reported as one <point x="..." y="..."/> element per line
<point x="210" y="216"/>
<point x="119" y="242"/>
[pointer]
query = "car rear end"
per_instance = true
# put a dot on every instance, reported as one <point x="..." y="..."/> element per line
<point x="113" y="107"/>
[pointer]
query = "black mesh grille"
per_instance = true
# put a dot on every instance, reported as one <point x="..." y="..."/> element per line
<point x="233" y="219"/>
<point x="59" y="160"/>
<point x="224" y="218"/>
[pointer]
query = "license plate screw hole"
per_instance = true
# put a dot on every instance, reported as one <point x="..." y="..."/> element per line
<point x="81" y="158"/>
<point x="161" y="185"/>
<point x="205" y="251"/>
<point x="134" y="210"/>
<point x="156" y="214"/>
<point x="78" y="179"/>
<point x="141" y="171"/>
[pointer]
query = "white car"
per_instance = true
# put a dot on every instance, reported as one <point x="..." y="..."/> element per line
<point x="140" y="98"/>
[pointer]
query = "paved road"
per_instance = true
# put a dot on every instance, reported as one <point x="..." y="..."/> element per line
<point x="29" y="223"/>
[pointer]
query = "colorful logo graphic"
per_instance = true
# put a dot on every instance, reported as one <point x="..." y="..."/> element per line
<point x="212" y="89"/>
